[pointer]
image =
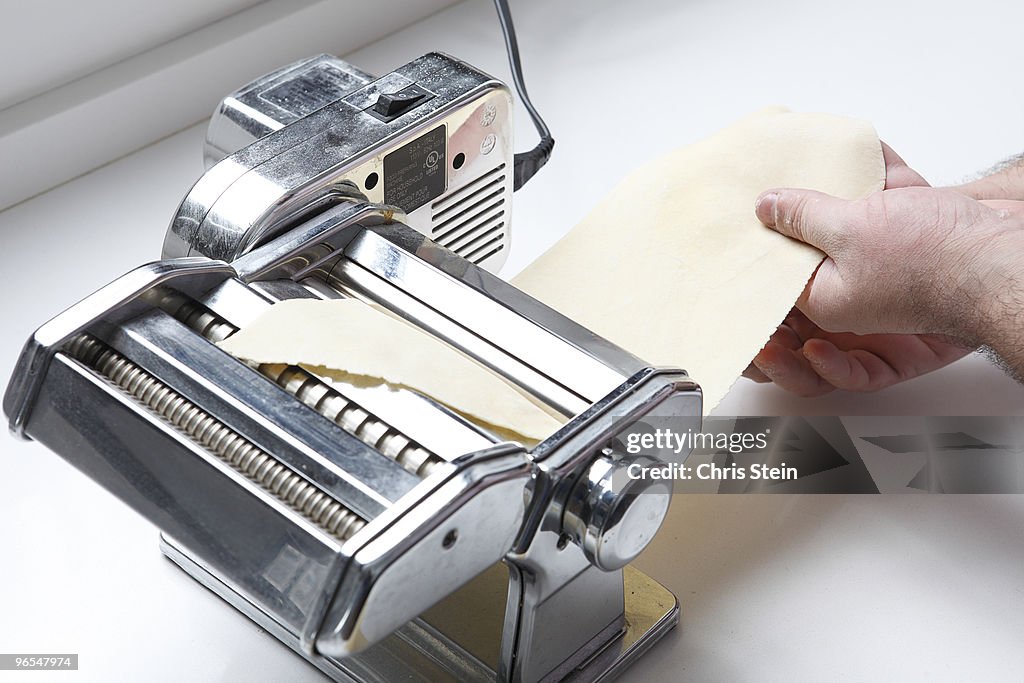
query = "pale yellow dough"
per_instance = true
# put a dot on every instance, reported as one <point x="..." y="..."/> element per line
<point x="349" y="342"/>
<point x="672" y="266"/>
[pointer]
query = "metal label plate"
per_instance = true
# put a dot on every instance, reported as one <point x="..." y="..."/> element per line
<point x="414" y="174"/>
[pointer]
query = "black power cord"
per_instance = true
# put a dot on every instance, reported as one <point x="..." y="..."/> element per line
<point x="526" y="164"/>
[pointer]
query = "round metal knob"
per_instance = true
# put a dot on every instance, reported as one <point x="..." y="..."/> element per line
<point x="613" y="516"/>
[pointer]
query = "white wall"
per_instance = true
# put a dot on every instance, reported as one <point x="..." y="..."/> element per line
<point x="94" y="80"/>
<point x="45" y="44"/>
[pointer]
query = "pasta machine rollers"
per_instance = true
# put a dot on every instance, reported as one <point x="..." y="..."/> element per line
<point x="380" y="535"/>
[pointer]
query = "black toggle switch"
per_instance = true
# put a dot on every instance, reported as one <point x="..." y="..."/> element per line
<point x="392" y="105"/>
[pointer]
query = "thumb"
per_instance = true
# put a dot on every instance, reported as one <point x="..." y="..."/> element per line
<point x="805" y="215"/>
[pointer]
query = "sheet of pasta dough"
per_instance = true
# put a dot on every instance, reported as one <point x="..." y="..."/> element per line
<point x="674" y="266"/>
<point x="349" y="342"/>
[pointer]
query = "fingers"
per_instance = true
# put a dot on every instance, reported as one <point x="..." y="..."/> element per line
<point x="791" y="371"/>
<point x="781" y="362"/>
<point x="801" y="325"/>
<point x="819" y="366"/>
<point x="824" y="222"/>
<point x="892" y="159"/>
<point x="783" y="336"/>
<point x="855" y="370"/>
<point x="897" y="173"/>
<point x="753" y="373"/>
<point x="816" y="218"/>
<point x="805" y="215"/>
<point x="879" y="361"/>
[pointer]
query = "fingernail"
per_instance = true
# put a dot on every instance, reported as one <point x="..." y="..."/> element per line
<point x="767" y="366"/>
<point x="765" y="208"/>
<point x="821" y="365"/>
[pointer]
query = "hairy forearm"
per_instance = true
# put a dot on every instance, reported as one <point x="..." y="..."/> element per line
<point x="1004" y="181"/>
<point x="1002" y="326"/>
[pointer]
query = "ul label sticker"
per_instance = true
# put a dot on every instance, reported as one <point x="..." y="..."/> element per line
<point x="414" y="174"/>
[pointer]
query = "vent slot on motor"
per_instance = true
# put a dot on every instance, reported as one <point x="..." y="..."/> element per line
<point x="471" y="220"/>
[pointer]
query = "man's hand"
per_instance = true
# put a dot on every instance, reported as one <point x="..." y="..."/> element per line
<point x="909" y="260"/>
<point x="809" y="361"/>
<point x="1005" y="181"/>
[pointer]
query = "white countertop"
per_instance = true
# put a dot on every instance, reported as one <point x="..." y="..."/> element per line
<point x="773" y="587"/>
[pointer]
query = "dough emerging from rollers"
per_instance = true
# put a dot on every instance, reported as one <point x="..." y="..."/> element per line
<point x="347" y="341"/>
<point x="672" y="265"/>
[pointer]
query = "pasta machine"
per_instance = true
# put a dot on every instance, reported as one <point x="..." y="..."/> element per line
<point x="380" y="535"/>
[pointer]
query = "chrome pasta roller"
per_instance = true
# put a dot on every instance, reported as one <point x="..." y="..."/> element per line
<point x="386" y="539"/>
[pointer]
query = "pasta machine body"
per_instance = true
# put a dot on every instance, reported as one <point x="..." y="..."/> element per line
<point x="377" y="533"/>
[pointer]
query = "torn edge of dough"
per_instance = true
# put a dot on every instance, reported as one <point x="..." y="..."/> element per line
<point x="336" y="376"/>
<point x="364" y="345"/>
